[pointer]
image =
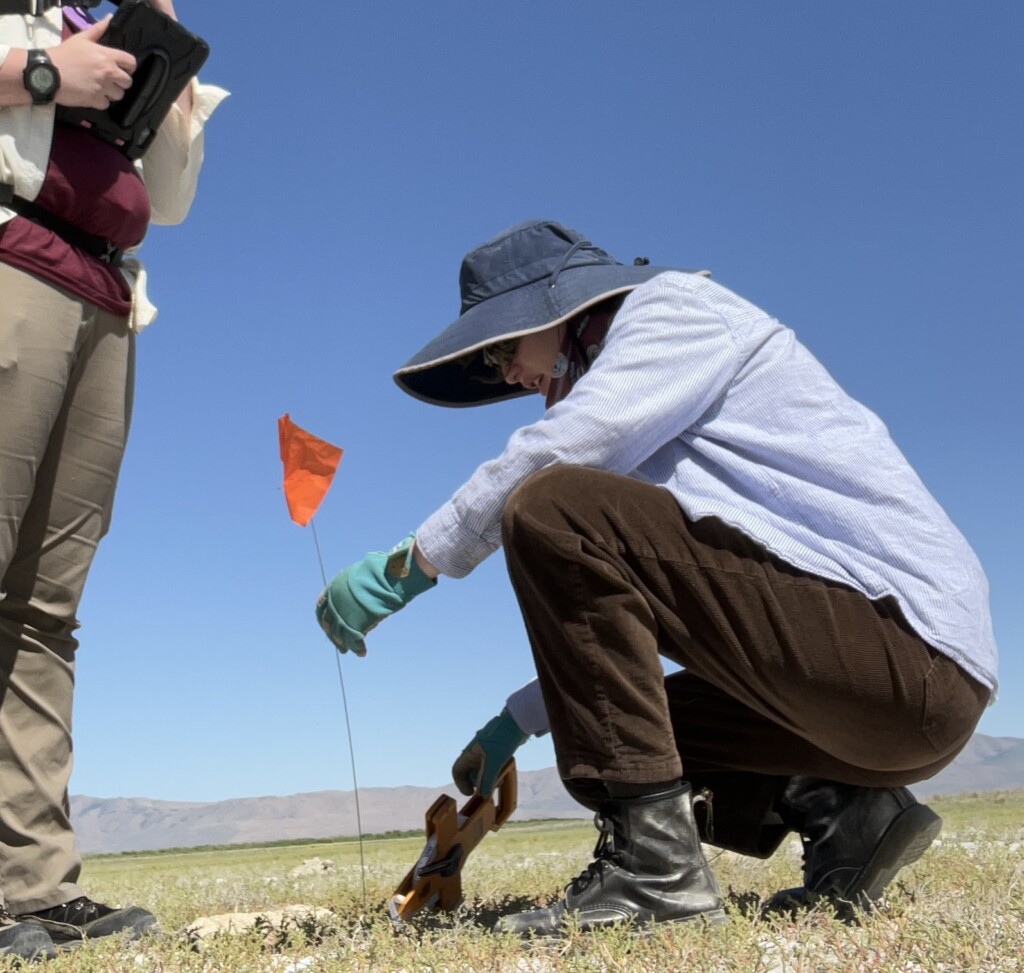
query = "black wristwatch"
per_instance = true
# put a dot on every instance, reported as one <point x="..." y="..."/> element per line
<point x="41" y="78"/>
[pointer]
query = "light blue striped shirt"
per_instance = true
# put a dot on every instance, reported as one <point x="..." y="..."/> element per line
<point x="700" y="392"/>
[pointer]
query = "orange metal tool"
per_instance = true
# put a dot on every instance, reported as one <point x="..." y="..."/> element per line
<point x="435" y="881"/>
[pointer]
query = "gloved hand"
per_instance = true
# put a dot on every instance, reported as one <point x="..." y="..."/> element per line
<point x="489" y="751"/>
<point x="367" y="592"/>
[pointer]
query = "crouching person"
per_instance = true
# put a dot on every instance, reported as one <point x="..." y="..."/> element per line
<point x="698" y="489"/>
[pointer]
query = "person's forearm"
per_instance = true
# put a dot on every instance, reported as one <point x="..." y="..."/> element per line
<point x="12" y="87"/>
<point x="423" y="564"/>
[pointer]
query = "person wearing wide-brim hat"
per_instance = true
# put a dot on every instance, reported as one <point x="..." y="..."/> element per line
<point x="698" y="488"/>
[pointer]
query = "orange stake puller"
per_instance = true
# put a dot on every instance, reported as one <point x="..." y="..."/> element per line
<point x="435" y="881"/>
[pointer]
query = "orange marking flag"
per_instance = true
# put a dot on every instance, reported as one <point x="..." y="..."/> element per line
<point x="309" y="466"/>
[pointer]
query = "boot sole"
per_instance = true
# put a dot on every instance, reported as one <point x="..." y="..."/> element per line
<point x="716" y="917"/>
<point x="642" y="927"/>
<point x="906" y="839"/>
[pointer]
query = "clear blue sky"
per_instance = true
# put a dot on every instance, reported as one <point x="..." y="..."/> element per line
<point x="854" y="169"/>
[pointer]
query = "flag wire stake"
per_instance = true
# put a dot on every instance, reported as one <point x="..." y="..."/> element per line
<point x="348" y="729"/>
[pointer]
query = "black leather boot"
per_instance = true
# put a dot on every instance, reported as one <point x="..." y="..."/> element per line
<point x="648" y="867"/>
<point x="855" y="841"/>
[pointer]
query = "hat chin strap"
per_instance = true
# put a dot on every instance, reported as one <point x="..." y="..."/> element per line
<point x="568" y="256"/>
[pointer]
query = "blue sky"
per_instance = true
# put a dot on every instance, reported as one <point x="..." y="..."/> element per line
<point x="854" y="169"/>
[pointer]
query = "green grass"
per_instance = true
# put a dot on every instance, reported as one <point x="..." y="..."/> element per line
<point x="959" y="909"/>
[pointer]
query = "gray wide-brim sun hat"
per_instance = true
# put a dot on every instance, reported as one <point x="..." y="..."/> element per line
<point x="529" y="277"/>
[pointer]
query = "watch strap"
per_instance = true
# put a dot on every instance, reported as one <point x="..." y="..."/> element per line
<point x="36" y="8"/>
<point x="31" y="8"/>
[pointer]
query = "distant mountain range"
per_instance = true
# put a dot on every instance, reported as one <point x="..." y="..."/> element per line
<point x="137" y="824"/>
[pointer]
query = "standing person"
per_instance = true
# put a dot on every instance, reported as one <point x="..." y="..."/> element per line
<point x="698" y="488"/>
<point x="71" y="305"/>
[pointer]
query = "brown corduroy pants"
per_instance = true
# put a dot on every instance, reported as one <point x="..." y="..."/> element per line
<point x="784" y="673"/>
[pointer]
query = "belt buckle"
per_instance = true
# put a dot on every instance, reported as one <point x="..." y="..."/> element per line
<point x="112" y="255"/>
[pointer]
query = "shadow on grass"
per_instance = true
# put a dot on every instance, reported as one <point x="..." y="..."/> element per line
<point x="746" y="904"/>
<point x="467" y="916"/>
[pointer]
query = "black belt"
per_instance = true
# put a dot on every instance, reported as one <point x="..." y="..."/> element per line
<point x="95" y="246"/>
<point x="35" y="8"/>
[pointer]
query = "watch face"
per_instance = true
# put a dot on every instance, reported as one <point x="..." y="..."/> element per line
<point x="43" y="78"/>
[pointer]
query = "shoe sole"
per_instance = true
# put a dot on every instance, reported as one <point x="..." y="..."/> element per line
<point x="715" y="917"/>
<point x="642" y="928"/>
<point x="907" y="838"/>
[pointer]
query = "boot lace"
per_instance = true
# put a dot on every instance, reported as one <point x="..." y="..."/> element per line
<point x="604" y="855"/>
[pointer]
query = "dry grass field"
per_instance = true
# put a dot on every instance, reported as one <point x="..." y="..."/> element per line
<point x="960" y="908"/>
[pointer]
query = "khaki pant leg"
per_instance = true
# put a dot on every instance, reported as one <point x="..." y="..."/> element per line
<point x="66" y="373"/>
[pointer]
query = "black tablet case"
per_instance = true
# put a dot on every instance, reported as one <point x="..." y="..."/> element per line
<point x="167" y="58"/>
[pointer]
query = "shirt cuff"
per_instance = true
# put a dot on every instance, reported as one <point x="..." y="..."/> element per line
<point x="449" y="546"/>
<point x="526" y="706"/>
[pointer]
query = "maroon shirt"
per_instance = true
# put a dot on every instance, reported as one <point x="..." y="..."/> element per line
<point x="95" y="188"/>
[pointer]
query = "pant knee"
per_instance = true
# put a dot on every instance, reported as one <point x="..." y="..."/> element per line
<point x="541" y="501"/>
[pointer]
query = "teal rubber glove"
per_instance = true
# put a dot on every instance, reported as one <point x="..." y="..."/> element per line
<point x="367" y="592"/>
<point x="492" y="747"/>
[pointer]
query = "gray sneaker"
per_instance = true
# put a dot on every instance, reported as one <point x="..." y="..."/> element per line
<point x="24" y="940"/>
<point x="80" y="919"/>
